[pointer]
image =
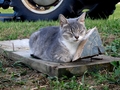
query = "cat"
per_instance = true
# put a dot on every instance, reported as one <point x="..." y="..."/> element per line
<point x="58" y="43"/>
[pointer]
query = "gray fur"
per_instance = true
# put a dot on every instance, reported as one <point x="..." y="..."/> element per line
<point x="53" y="43"/>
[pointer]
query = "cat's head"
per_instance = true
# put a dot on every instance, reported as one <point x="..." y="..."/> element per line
<point x="73" y="31"/>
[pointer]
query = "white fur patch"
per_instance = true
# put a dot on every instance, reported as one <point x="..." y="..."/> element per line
<point x="80" y="38"/>
<point x="72" y="47"/>
<point x="65" y="25"/>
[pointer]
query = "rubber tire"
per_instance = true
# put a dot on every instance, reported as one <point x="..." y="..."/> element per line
<point x="5" y="4"/>
<point x="26" y="14"/>
<point x="102" y="11"/>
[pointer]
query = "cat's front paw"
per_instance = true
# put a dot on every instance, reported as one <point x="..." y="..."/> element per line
<point x="61" y="58"/>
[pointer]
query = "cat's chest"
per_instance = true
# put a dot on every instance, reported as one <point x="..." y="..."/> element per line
<point x="72" y="47"/>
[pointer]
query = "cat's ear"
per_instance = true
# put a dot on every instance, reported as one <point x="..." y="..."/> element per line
<point x="62" y="20"/>
<point x="81" y="19"/>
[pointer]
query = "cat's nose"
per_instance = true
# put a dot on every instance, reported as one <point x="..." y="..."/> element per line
<point x="76" y="37"/>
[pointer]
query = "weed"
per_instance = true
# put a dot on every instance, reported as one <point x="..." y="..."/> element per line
<point x="113" y="48"/>
<point x="4" y="70"/>
<point x="109" y="77"/>
<point x="66" y="83"/>
<point x="109" y="31"/>
<point x="21" y="65"/>
<point x="115" y="77"/>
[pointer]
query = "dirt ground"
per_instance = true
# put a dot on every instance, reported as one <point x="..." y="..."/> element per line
<point x="16" y="76"/>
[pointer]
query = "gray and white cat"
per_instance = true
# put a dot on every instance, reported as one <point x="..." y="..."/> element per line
<point x="58" y="43"/>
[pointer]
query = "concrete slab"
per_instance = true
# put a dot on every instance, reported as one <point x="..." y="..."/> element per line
<point x="19" y="50"/>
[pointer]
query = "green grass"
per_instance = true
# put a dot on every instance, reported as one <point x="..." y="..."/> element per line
<point x="19" y="30"/>
<point x="10" y="10"/>
<point x="116" y="14"/>
<point x="109" y="30"/>
<point x="110" y="34"/>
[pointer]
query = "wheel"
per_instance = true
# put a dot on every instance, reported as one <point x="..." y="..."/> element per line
<point x="5" y="4"/>
<point x="102" y="10"/>
<point x="33" y="10"/>
<point x="95" y="10"/>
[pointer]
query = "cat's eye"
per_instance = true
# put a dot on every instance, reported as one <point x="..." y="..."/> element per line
<point x="82" y="31"/>
<point x="66" y="36"/>
<point x="70" y="34"/>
